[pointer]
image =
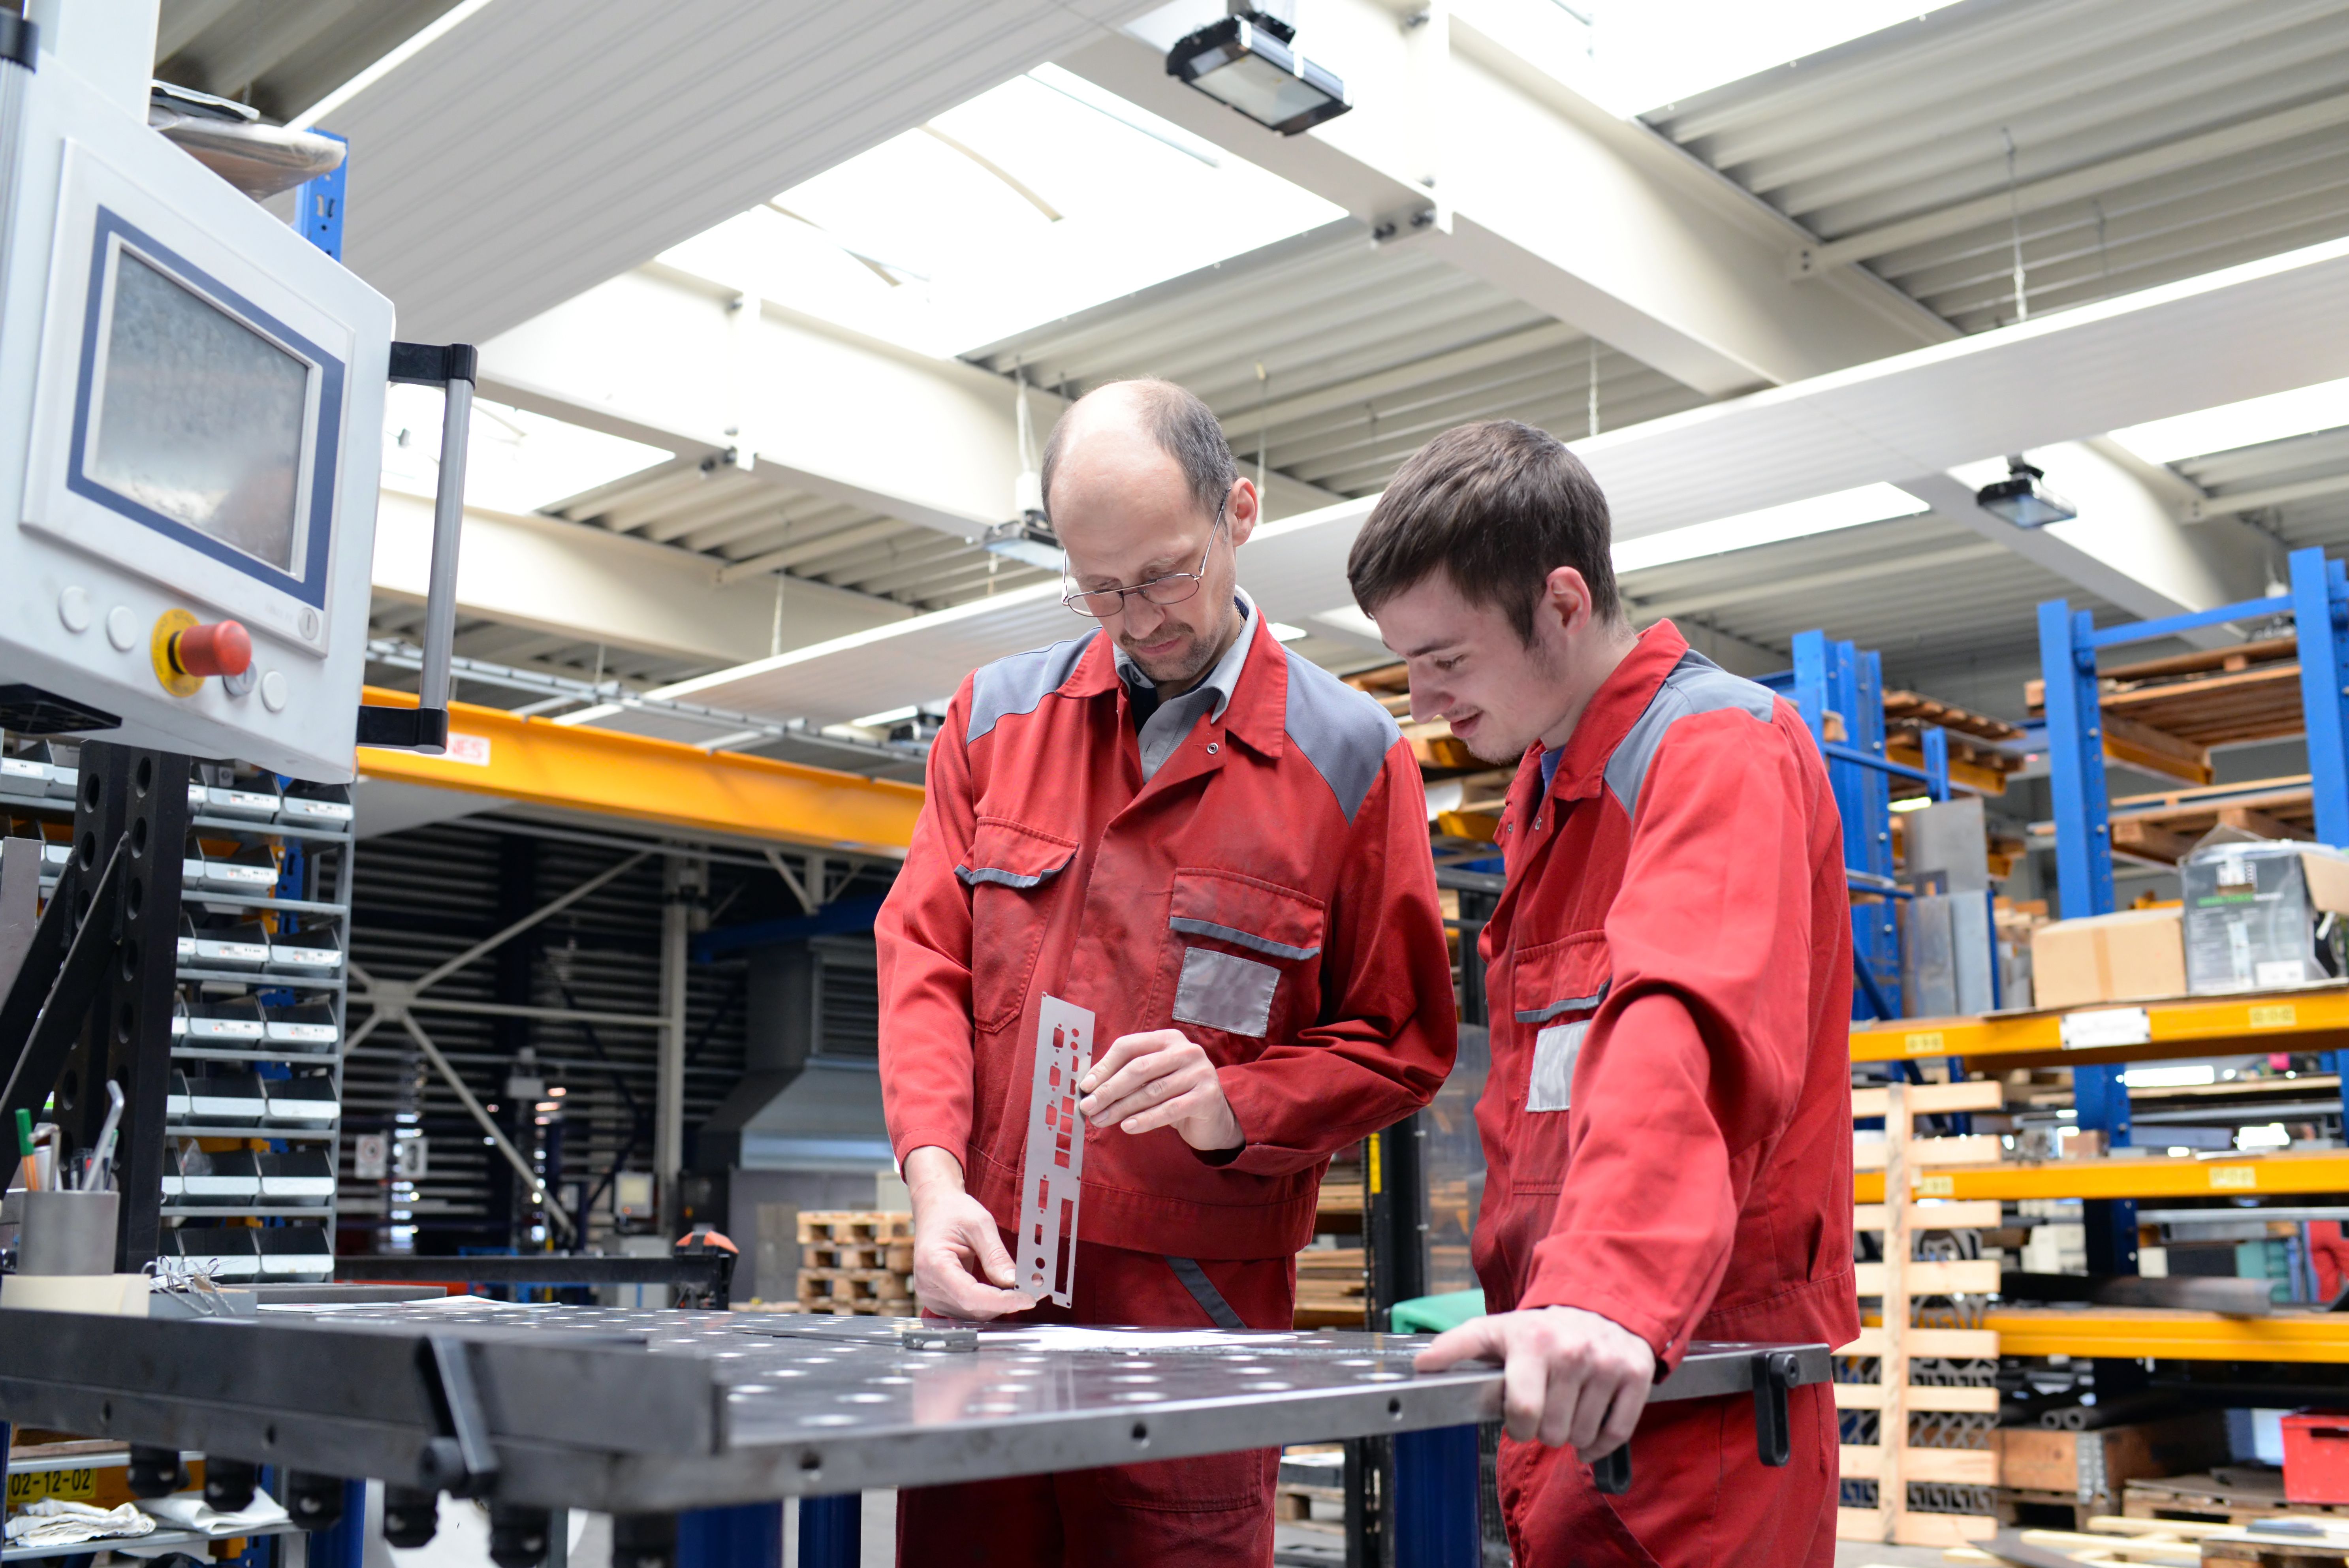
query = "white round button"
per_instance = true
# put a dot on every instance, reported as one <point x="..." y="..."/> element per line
<point x="122" y="628"/>
<point x="273" y="691"/>
<point x="73" y="609"/>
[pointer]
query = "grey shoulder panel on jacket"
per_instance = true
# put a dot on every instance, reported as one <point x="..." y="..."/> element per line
<point x="1696" y="684"/>
<point x="1019" y="682"/>
<point x="1344" y="733"/>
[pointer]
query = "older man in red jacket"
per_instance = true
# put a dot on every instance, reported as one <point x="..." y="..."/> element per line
<point x="1219" y="850"/>
<point x="1667" y="1119"/>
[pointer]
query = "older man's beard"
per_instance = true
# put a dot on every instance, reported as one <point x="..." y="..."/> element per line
<point x="1197" y="658"/>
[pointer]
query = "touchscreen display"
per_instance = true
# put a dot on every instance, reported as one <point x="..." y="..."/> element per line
<point x="198" y="417"/>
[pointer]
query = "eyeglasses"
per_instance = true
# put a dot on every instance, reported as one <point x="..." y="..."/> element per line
<point x="1100" y="603"/>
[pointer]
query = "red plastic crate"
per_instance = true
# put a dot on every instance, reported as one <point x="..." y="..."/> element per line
<point x="2316" y="1456"/>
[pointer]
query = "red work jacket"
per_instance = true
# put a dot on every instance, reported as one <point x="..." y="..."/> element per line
<point x="1668" y="1122"/>
<point x="1268" y="891"/>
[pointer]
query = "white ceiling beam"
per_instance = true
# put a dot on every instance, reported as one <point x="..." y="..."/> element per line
<point x="2265" y="326"/>
<point x="1619" y="233"/>
<point x="654" y="355"/>
<point x="2260" y="328"/>
<point x="584" y="584"/>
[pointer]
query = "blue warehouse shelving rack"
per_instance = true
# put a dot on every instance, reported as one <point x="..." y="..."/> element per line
<point x="2069" y="641"/>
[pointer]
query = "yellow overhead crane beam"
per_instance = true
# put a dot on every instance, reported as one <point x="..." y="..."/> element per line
<point x="2315" y="1018"/>
<point x="493" y="752"/>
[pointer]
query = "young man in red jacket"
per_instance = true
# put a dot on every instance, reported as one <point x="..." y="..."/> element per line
<point x="1221" y="851"/>
<point x="1667" y="1121"/>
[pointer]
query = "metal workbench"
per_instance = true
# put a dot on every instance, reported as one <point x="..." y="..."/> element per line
<point x="652" y="1414"/>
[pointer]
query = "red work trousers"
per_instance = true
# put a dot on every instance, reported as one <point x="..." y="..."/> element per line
<point x="1216" y="1508"/>
<point x="1700" y="1494"/>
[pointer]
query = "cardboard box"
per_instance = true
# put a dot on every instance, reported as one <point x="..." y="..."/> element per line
<point x="2135" y="955"/>
<point x="2253" y="912"/>
<point x="2096" y="1464"/>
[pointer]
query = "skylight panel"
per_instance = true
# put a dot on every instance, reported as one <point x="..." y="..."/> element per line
<point x="2255" y="420"/>
<point x="1038" y="199"/>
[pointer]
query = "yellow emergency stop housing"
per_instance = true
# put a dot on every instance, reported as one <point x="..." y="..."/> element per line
<point x="175" y="679"/>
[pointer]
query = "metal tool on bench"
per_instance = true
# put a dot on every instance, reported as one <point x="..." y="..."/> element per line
<point x="647" y="1414"/>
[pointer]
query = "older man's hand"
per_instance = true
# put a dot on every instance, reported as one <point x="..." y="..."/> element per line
<point x="1161" y="1079"/>
<point x="1570" y="1376"/>
<point x="961" y="1268"/>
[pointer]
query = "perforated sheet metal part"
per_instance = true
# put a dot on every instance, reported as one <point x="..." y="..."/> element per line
<point x="642" y="1411"/>
<point x="1051" y="1179"/>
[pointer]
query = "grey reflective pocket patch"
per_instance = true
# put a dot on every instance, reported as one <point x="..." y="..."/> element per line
<point x="1556" y="1049"/>
<point x="1226" y="992"/>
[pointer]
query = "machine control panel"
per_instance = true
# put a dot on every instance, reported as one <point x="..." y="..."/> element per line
<point x="190" y="397"/>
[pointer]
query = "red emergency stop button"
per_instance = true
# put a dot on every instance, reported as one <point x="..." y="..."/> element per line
<point x="187" y="652"/>
<point x="222" y="648"/>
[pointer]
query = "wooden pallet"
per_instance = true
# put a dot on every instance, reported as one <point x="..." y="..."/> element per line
<point x="1891" y="1462"/>
<point x="2218" y="1502"/>
<point x="855" y="1290"/>
<point x="2105" y="1543"/>
<point x="854" y="1226"/>
<point x="897" y="1257"/>
<point x="2248" y="692"/>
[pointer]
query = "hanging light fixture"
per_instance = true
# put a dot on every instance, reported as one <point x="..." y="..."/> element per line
<point x="1249" y="62"/>
<point x="2022" y="500"/>
<point x="1027" y="537"/>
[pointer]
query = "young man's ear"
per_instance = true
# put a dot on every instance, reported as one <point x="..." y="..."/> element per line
<point x="1567" y="596"/>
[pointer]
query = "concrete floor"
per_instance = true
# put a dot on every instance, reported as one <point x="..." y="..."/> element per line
<point x="1859" y="1554"/>
<point x="463" y="1542"/>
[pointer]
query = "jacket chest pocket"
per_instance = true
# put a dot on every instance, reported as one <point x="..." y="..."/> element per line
<point x="1555" y="988"/>
<point x="1241" y="940"/>
<point x="1010" y="872"/>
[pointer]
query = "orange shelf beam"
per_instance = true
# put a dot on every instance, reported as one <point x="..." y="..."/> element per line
<point x="603" y="771"/>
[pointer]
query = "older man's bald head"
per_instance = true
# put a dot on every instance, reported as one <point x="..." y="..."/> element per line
<point x="1114" y="423"/>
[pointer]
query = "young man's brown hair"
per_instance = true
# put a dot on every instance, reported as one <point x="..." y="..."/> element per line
<point x="1497" y="507"/>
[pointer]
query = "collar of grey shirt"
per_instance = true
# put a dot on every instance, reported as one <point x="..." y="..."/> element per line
<point x="1164" y="730"/>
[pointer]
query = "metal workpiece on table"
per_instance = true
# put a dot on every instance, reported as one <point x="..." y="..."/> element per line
<point x="660" y="1412"/>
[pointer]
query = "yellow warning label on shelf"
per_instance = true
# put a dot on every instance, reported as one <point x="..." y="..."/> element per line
<point x="2275" y="1016"/>
<point x="1935" y="1186"/>
<point x="1926" y="1043"/>
<point x="2234" y="1176"/>
<point x="27" y="1487"/>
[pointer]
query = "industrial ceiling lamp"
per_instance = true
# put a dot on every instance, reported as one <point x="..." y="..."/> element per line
<point x="1028" y="538"/>
<point x="1249" y="62"/>
<point x="2022" y="499"/>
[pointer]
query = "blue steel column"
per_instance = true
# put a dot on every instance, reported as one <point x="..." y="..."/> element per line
<point x="832" y="1532"/>
<point x="1436" y="1481"/>
<point x="1811" y="681"/>
<point x="2076" y="762"/>
<point x="318" y="205"/>
<point x="344" y="1546"/>
<point x="750" y="1536"/>
<point x="2317" y="608"/>
<point x="1936" y="763"/>
<point x="2084" y="881"/>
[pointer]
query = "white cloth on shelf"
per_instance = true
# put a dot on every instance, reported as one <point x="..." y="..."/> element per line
<point x="55" y="1521"/>
<point x="189" y="1511"/>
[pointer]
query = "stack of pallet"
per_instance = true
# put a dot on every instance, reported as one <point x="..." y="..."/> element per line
<point x="1896" y="1460"/>
<point x="856" y="1260"/>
